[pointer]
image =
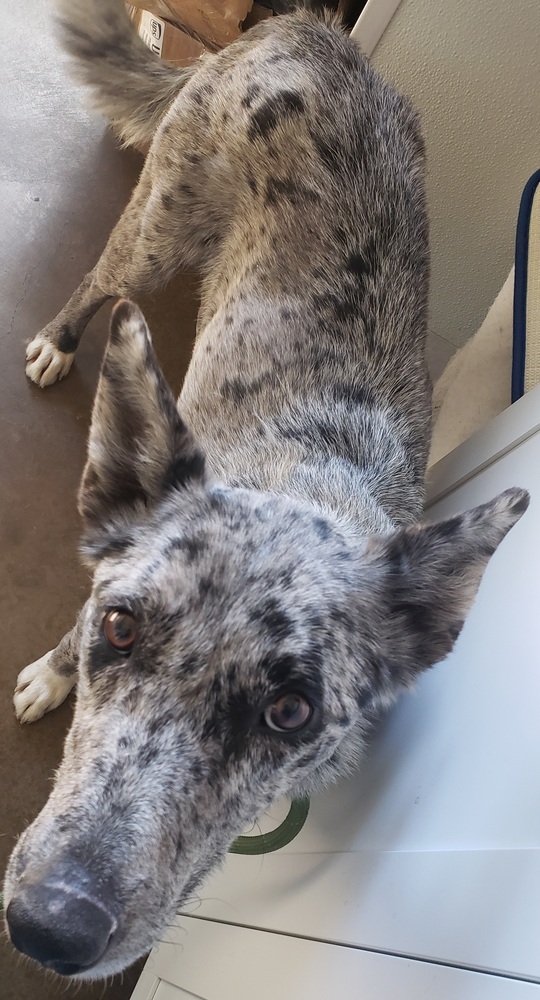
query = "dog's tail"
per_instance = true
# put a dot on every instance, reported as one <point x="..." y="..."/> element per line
<point x="129" y="85"/>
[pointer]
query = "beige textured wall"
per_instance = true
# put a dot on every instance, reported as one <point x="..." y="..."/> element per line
<point x="472" y="68"/>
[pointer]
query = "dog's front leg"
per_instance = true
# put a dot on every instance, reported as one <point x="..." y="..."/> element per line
<point x="143" y="252"/>
<point x="50" y="354"/>
<point x="46" y="683"/>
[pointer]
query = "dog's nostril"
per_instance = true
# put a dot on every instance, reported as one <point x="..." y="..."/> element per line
<point x="64" y="931"/>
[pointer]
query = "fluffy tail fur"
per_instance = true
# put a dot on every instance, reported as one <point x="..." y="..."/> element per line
<point x="129" y="85"/>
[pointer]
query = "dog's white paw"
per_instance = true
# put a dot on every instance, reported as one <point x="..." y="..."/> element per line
<point x="40" y="689"/>
<point x="45" y="363"/>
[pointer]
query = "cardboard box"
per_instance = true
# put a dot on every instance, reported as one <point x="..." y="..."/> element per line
<point x="213" y="22"/>
<point x="168" y="42"/>
<point x="171" y="43"/>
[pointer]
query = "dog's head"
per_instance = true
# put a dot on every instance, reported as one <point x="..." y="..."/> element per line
<point x="235" y="646"/>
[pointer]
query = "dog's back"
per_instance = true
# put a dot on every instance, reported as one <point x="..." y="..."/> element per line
<point x="301" y="175"/>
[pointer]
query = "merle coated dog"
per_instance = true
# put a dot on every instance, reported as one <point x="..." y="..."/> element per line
<point x="263" y="586"/>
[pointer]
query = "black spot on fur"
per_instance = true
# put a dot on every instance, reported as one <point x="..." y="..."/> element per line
<point x="310" y="757"/>
<point x="99" y="765"/>
<point x="67" y="342"/>
<point x="357" y="265"/>
<point x="291" y="103"/>
<point x="352" y="392"/>
<point x="364" y="698"/>
<point x="184" y="469"/>
<point x="521" y="502"/>
<point x="252" y="91"/>
<point x="160" y="722"/>
<point x="230" y="715"/>
<point x="282" y="106"/>
<point x="342" y="307"/>
<point x="449" y="529"/>
<point x="241" y="716"/>
<point x="275" y="620"/>
<point x="167" y="201"/>
<point x="95" y="496"/>
<point x="100" y="654"/>
<point x="363" y="261"/>
<point x="207" y="588"/>
<point x="340" y="616"/>
<point x="252" y="184"/>
<point x="216" y="500"/>
<point x="328" y="154"/>
<point x="278" y="189"/>
<point x="201" y="95"/>
<point x="305" y="669"/>
<point x="323" y="529"/>
<point x="237" y="389"/>
<point x="191" y="547"/>
<point x="233" y="389"/>
<point x="146" y="754"/>
<point x="280" y="672"/>
<point x="197" y="770"/>
<point x="191" y="665"/>
<point x="116" y="545"/>
<point x="186" y="190"/>
<point x="418" y="617"/>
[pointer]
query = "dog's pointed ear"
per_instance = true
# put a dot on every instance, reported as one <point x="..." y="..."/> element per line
<point x="423" y="581"/>
<point x="139" y="448"/>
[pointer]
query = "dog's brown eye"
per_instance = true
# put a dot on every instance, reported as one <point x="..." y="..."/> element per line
<point x="120" y="629"/>
<point x="288" y="713"/>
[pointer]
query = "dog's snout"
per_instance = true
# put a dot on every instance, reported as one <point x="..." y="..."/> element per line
<point x="61" y="925"/>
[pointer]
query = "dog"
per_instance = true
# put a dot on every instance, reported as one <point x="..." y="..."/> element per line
<point x="263" y="586"/>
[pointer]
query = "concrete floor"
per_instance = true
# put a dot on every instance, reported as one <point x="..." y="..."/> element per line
<point x="63" y="184"/>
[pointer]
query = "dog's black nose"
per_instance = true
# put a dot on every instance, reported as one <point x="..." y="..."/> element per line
<point x="61" y="925"/>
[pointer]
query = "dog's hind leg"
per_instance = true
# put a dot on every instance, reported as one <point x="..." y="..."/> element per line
<point x="46" y="683"/>
<point x="145" y="249"/>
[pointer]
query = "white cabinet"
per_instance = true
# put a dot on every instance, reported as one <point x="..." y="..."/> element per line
<point x="221" y="962"/>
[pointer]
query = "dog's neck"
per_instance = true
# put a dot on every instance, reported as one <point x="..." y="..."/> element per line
<point x="358" y="494"/>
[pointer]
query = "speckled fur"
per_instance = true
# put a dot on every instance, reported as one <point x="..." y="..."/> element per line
<point x="264" y="532"/>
